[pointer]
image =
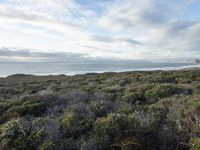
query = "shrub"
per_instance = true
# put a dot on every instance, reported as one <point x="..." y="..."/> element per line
<point x="35" y="108"/>
<point x="124" y="81"/>
<point x="130" y="143"/>
<point x="115" y="126"/>
<point x="133" y="97"/>
<point x="194" y="144"/>
<point x="96" y="143"/>
<point x="162" y="91"/>
<point x="101" y="108"/>
<point x="76" y="122"/>
<point x="21" y="135"/>
<point x="47" y="145"/>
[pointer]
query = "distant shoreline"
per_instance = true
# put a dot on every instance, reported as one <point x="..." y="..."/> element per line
<point x="70" y="69"/>
<point x="186" y="68"/>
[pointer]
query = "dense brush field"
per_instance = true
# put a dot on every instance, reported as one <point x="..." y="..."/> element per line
<point x="158" y="110"/>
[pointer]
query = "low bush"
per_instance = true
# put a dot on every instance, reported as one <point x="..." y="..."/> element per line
<point x="19" y="134"/>
<point x="163" y="90"/>
<point x="76" y="122"/>
<point x="35" y="108"/>
<point x="101" y="108"/>
<point x="194" y="144"/>
<point x="116" y="126"/>
<point x="133" y="97"/>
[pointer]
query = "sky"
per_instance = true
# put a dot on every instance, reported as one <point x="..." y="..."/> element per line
<point x="106" y="29"/>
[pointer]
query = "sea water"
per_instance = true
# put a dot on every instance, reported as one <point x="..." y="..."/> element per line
<point x="71" y="68"/>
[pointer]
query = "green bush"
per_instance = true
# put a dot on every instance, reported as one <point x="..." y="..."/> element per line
<point x="76" y="123"/>
<point x="47" y="145"/>
<point x="96" y="143"/>
<point x="116" y="126"/>
<point x="132" y="97"/>
<point x="124" y="81"/>
<point x="195" y="144"/>
<point x="162" y="91"/>
<point x="30" y="108"/>
<point x="20" y="135"/>
<point x="101" y="108"/>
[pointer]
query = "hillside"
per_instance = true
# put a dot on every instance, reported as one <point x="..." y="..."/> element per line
<point x="109" y="111"/>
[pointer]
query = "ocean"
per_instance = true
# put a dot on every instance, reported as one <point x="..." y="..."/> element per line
<point x="72" y="68"/>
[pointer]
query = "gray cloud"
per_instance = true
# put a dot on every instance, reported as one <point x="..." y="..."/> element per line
<point x="180" y="36"/>
<point x="164" y="30"/>
<point x="131" y="13"/>
<point x="153" y="17"/>
<point x="18" y="54"/>
<point x="108" y="39"/>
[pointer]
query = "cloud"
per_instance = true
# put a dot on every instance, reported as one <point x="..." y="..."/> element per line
<point x="15" y="54"/>
<point x="128" y="29"/>
<point x="14" y="16"/>
<point x="108" y="39"/>
<point x="177" y="37"/>
<point x="159" y="26"/>
<point x="143" y="13"/>
<point x="61" y="16"/>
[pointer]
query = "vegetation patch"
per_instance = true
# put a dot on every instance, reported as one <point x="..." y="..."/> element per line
<point x="150" y="110"/>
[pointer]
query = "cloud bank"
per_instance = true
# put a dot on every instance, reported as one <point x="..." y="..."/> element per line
<point x="14" y="54"/>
